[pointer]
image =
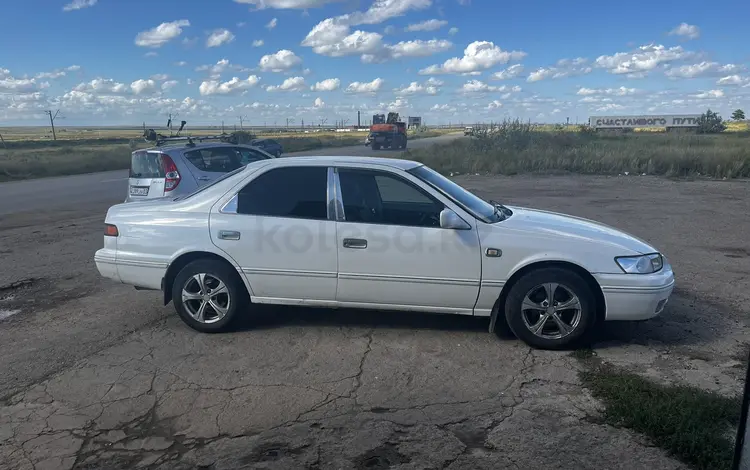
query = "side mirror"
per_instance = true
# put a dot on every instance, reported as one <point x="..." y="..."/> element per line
<point x="451" y="220"/>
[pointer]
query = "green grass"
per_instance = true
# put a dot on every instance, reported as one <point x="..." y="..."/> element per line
<point x="693" y="425"/>
<point x="526" y="150"/>
<point x="24" y="159"/>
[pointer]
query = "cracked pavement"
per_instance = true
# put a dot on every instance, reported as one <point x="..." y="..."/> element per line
<point x="97" y="375"/>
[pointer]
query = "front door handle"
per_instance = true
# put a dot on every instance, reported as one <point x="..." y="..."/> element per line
<point x="229" y="235"/>
<point x="356" y="243"/>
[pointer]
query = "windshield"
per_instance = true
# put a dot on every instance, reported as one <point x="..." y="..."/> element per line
<point x="212" y="183"/>
<point x="478" y="207"/>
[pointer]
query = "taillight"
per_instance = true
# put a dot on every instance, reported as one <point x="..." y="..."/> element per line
<point x="171" y="175"/>
<point x="110" y="230"/>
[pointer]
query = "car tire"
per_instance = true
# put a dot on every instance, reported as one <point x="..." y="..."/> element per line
<point x="549" y="324"/>
<point x="376" y="146"/>
<point x="222" y="309"/>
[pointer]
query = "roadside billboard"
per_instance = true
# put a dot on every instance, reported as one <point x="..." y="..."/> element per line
<point x="631" y="122"/>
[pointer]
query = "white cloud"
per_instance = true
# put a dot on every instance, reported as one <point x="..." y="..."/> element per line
<point x="141" y="87"/>
<point x="365" y="87"/>
<point x="219" y="37"/>
<point x="258" y="43"/>
<point x="610" y="107"/>
<point x="511" y="72"/>
<point x="689" y="31"/>
<point x="181" y="63"/>
<point x="241" y="24"/>
<point x="73" y="68"/>
<point x="434" y="82"/>
<point x="216" y="70"/>
<point x="709" y="94"/>
<point x="494" y="104"/>
<point x="415" y="88"/>
<point x="18" y="85"/>
<point x="427" y="25"/>
<point x="79" y="5"/>
<point x="168" y="85"/>
<point x="642" y="60"/>
<point x="161" y="34"/>
<point x="418" y="48"/>
<point x="453" y="31"/>
<point x="478" y="56"/>
<point x="233" y="86"/>
<point x="290" y="84"/>
<point x="281" y="61"/>
<point x="621" y="91"/>
<point x="319" y="103"/>
<point x="287" y="4"/>
<point x="564" y="68"/>
<point x="701" y="69"/>
<point x="160" y="77"/>
<point x="272" y="24"/>
<point x="333" y="37"/>
<point x="50" y="75"/>
<point x="478" y="86"/>
<point x="329" y="84"/>
<point x="390" y="29"/>
<point x="102" y="86"/>
<point x="733" y="80"/>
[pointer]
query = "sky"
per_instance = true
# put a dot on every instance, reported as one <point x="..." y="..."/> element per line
<point x="116" y="62"/>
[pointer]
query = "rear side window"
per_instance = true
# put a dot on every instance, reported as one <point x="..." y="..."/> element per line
<point x="145" y="164"/>
<point x="296" y="192"/>
<point x="251" y="155"/>
<point x="215" y="160"/>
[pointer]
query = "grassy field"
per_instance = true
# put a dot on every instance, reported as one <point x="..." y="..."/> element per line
<point x="518" y="148"/>
<point x="693" y="425"/>
<point x="36" y="158"/>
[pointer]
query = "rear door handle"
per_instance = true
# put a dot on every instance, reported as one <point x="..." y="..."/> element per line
<point x="356" y="243"/>
<point x="203" y="178"/>
<point x="229" y="235"/>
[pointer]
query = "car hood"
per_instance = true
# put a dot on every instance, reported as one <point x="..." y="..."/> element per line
<point x="556" y="225"/>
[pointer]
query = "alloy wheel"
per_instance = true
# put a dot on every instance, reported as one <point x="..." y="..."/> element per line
<point x="206" y="298"/>
<point x="551" y="311"/>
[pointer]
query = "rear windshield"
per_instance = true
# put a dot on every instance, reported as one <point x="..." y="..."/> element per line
<point x="146" y="165"/>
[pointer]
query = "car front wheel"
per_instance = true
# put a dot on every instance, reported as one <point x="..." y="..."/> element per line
<point x="208" y="295"/>
<point x="551" y="308"/>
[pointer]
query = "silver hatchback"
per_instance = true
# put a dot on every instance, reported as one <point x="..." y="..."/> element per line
<point x="181" y="169"/>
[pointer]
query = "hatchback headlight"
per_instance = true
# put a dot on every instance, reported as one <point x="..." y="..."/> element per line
<point x="644" y="264"/>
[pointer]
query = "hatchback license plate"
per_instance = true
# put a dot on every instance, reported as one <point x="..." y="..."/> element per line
<point x="139" y="190"/>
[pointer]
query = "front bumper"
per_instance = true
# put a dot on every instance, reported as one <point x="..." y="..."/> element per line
<point x="636" y="296"/>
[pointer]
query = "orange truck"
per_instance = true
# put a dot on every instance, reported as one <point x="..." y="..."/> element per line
<point x="392" y="134"/>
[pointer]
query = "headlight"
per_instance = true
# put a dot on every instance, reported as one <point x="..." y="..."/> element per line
<point x="644" y="264"/>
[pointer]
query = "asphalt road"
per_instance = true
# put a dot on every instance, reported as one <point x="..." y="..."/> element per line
<point x="96" y="375"/>
<point x="71" y="191"/>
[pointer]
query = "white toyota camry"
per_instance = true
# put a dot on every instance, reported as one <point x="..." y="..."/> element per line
<point x="380" y="233"/>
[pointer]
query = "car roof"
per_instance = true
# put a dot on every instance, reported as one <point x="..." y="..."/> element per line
<point x="200" y="145"/>
<point x="339" y="159"/>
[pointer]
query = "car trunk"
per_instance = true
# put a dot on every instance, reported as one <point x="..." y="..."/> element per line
<point x="147" y="175"/>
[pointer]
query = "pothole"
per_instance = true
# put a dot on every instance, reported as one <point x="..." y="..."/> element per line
<point x="381" y="458"/>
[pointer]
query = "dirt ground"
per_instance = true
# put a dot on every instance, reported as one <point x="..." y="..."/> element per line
<point x="96" y="375"/>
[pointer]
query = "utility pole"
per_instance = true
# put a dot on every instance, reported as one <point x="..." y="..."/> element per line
<point x="359" y="123"/>
<point x="222" y="127"/>
<point x="242" y="121"/>
<point x="52" y="121"/>
<point x="288" y="120"/>
<point x="170" y="118"/>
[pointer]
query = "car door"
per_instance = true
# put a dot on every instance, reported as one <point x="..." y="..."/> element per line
<point x="208" y="163"/>
<point x="393" y="252"/>
<point x="278" y="230"/>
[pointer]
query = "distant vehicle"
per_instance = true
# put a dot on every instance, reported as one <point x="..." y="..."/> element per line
<point x="269" y="146"/>
<point x="179" y="165"/>
<point x="468" y="130"/>
<point x="392" y="134"/>
<point x="329" y="232"/>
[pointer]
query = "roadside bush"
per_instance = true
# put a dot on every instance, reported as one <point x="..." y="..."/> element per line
<point x="711" y="123"/>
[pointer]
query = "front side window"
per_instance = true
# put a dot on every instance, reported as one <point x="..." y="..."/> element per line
<point x="295" y="192"/>
<point x="377" y="197"/>
<point x="215" y="160"/>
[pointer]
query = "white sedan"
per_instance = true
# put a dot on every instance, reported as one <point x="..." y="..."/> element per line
<point x="379" y="233"/>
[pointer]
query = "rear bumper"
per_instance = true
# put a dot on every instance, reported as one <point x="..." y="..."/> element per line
<point x="106" y="264"/>
<point x="636" y="297"/>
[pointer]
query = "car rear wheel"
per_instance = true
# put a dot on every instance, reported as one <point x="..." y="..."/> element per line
<point x="208" y="295"/>
<point x="551" y="308"/>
